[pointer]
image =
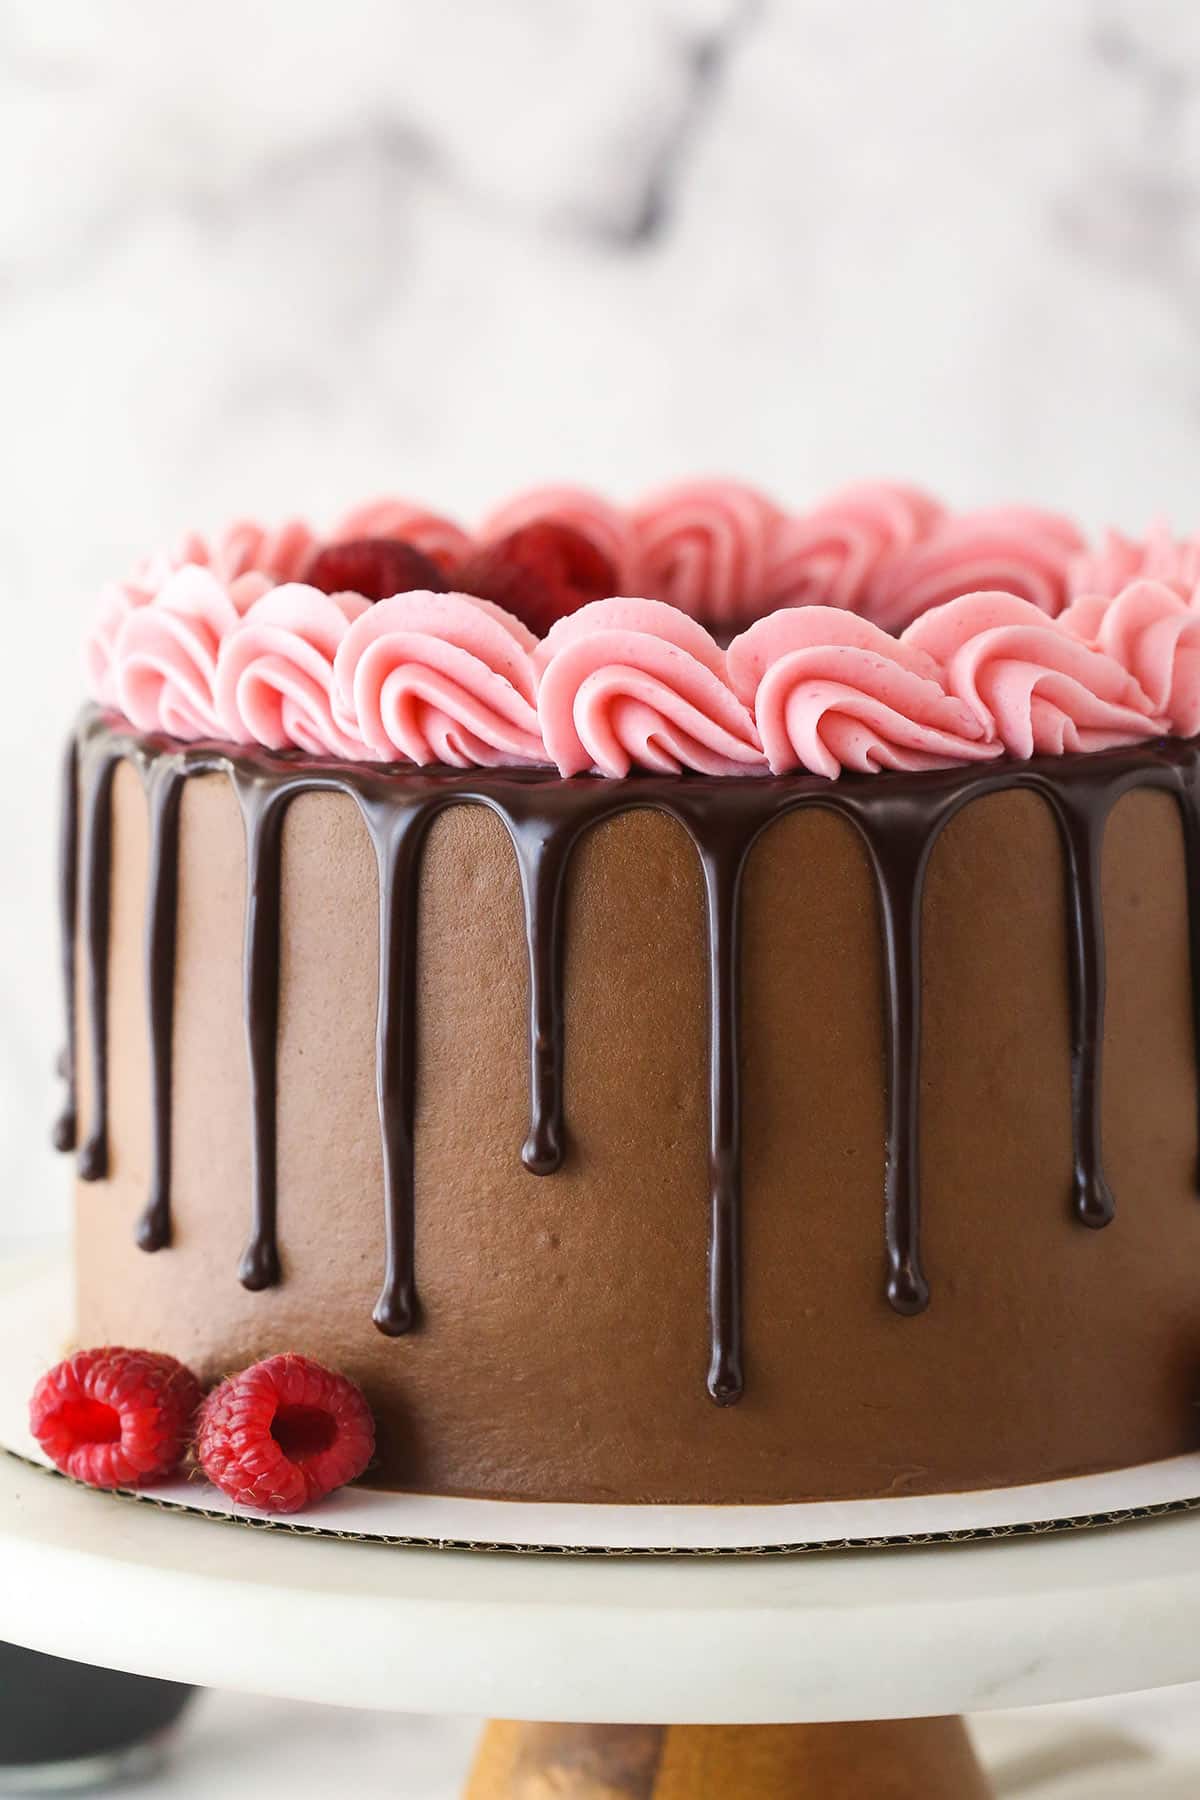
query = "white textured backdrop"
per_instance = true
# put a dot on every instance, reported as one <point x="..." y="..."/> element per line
<point x="275" y="257"/>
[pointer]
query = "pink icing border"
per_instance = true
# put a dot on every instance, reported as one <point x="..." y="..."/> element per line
<point x="1058" y="650"/>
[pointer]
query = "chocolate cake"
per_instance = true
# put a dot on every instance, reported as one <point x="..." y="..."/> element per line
<point x="736" y="1044"/>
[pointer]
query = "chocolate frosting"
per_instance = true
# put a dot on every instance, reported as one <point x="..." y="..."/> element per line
<point x="899" y="819"/>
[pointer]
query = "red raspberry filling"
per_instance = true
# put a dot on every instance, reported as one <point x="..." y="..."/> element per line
<point x="114" y="1417"/>
<point x="284" y="1433"/>
<point x="376" y="568"/>
<point x="540" y="572"/>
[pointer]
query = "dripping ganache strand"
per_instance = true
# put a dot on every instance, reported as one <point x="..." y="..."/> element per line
<point x="66" y="1126"/>
<point x="899" y="819"/>
<point x="97" y="771"/>
<point x="164" y="791"/>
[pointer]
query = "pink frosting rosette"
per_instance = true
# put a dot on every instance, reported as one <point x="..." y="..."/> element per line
<point x="241" y="549"/>
<point x="1029" y="682"/>
<point x="435" y="536"/>
<point x="274" y="680"/>
<point x="704" y="547"/>
<point x="245" y="547"/>
<point x="1118" y="561"/>
<point x="830" y="691"/>
<point x="440" y="678"/>
<point x="831" y="555"/>
<point x="1016" y="549"/>
<point x="591" y="515"/>
<point x="1154" y="634"/>
<point x="164" y="658"/>
<point x="628" y="684"/>
<point x="117" y="600"/>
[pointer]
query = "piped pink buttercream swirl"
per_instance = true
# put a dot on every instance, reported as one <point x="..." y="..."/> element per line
<point x="440" y="678"/>
<point x="831" y="555"/>
<point x="1118" y="561"/>
<point x="1016" y="549"/>
<point x="1154" y="634"/>
<point x="595" y="518"/>
<point x="241" y="549"/>
<point x="245" y="547"/>
<point x="635" y="684"/>
<point x="274" y="680"/>
<point x="164" y="660"/>
<point x="830" y="691"/>
<point x="640" y="683"/>
<point x="435" y="536"/>
<point x="704" y="547"/>
<point x="117" y="600"/>
<point x="1028" y="681"/>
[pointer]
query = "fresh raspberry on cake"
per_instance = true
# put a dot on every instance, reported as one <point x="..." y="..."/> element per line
<point x="115" y="1417"/>
<point x="540" y="572"/>
<point x="374" y="567"/>
<point x="284" y="1433"/>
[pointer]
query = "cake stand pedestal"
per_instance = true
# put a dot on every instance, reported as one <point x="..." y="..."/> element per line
<point x="918" y="1759"/>
<point x="762" y="1644"/>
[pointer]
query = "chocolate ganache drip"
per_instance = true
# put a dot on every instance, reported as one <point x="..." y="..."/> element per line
<point x="1188" y="775"/>
<point x="66" y="1126"/>
<point x="97" y="775"/>
<point x="164" y="790"/>
<point x="899" y="819"/>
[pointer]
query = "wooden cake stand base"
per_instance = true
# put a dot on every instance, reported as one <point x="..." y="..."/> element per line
<point x="907" y="1759"/>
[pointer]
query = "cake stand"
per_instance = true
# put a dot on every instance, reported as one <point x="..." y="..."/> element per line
<point x="765" y="1652"/>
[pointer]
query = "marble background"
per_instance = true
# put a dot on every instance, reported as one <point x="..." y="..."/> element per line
<point x="275" y="258"/>
<point x="257" y="258"/>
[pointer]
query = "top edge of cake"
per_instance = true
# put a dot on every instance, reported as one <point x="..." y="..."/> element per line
<point x="703" y="629"/>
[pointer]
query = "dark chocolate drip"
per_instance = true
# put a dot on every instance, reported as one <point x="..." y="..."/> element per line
<point x="543" y="852"/>
<point x="900" y="846"/>
<point x="164" y="782"/>
<point x="898" y="817"/>
<point x="1081" y="816"/>
<point x="722" y="864"/>
<point x="66" y="1126"/>
<point x="96" y="868"/>
<point x="1188" y="793"/>
<point x="397" y="833"/>
<point x="264" y="804"/>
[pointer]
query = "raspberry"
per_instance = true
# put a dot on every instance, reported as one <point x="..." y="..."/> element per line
<point x="540" y="572"/>
<point x="115" y="1418"/>
<point x="374" y="567"/>
<point x="284" y="1433"/>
